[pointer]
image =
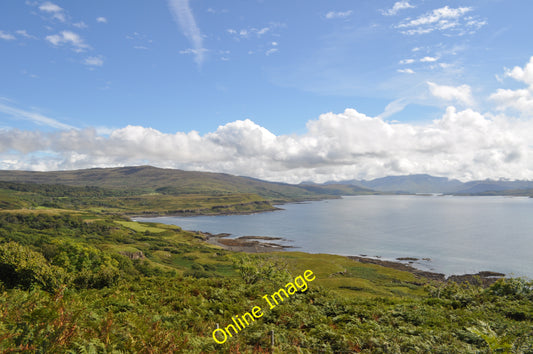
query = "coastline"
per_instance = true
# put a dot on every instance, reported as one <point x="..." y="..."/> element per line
<point x="256" y="244"/>
<point x="191" y="213"/>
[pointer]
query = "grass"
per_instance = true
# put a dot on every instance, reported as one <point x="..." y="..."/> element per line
<point x="140" y="227"/>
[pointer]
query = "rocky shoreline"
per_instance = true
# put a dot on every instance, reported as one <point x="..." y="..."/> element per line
<point x="481" y="278"/>
<point x="248" y="244"/>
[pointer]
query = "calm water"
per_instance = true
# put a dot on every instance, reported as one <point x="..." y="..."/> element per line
<point x="459" y="234"/>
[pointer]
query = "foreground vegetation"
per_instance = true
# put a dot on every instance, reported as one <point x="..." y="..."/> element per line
<point x="78" y="279"/>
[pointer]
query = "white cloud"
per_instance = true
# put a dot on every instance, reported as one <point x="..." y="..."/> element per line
<point x="429" y="59"/>
<point x="445" y="19"/>
<point x="6" y="36"/>
<point x="522" y="74"/>
<point x="68" y="37"/>
<point x="53" y="9"/>
<point x="94" y="61"/>
<point x="398" y="5"/>
<point x="462" y="144"/>
<point x="101" y="19"/>
<point x="461" y="94"/>
<point x="185" y="18"/>
<point x="406" y="71"/>
<point x="252" y="31"/>
<point x="406" y="61"/>
<point x="338" y="14"/>
<point x="393" y="108"/>
<point x="520" y="100"/>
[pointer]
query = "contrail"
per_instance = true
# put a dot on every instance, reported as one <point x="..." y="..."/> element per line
<point x="183" y="15"/>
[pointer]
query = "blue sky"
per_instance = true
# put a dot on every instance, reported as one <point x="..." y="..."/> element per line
<point x="282" y="90"/>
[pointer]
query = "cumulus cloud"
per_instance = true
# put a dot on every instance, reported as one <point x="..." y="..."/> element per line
<point x="185" y="18"/>
<point x="522" y="74"/>
<point x="68" y="37"/>
<point x="520" y="100"/>
<point x="398" y="5"/>
<point x="101" y="19"/>
<point x="462" y="144"/>
<point x="461" y="94"/>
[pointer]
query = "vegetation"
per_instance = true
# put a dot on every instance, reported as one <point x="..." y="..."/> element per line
<point x="78" y="278"/>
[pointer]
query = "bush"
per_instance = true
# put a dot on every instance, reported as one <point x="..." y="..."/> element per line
<point x="22" y="267"/>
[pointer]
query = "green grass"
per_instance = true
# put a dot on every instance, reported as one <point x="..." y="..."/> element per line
<point x="140" y="227"/>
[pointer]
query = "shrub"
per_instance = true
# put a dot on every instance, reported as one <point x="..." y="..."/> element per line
<point x="22" y="267"/>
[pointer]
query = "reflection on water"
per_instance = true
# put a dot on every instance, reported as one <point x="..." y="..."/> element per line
<point x="459" y="234"/>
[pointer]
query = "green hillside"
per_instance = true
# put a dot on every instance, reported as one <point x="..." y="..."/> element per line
<point x="149" y="190"/>
<point x="165" y="181"/>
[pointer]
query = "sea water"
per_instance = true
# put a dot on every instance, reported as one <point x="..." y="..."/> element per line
<point x="447" y="234"/>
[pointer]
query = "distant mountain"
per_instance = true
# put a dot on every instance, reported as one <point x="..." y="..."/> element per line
<point x="482" y="187"/>
<point x="423" y="183"/>
<point x="413" y="184"/>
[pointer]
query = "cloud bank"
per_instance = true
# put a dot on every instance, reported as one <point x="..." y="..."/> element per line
<point x="462" y="143"/>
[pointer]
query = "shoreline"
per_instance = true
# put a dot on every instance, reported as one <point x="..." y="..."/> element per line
<point x="255" y="244"/>
<point x="246" y="244"/>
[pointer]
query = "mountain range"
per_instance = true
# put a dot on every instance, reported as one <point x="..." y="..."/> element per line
<point x="423" y="183"/>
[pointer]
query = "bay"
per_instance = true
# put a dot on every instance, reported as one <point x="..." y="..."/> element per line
<point x="457" y="234"/>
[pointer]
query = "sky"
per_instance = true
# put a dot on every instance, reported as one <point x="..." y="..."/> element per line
<point x="286" y="91"/>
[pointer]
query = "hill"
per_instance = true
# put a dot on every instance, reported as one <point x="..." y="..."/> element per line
<point x="148" y="179"/>
<point x="147" y="190"/>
